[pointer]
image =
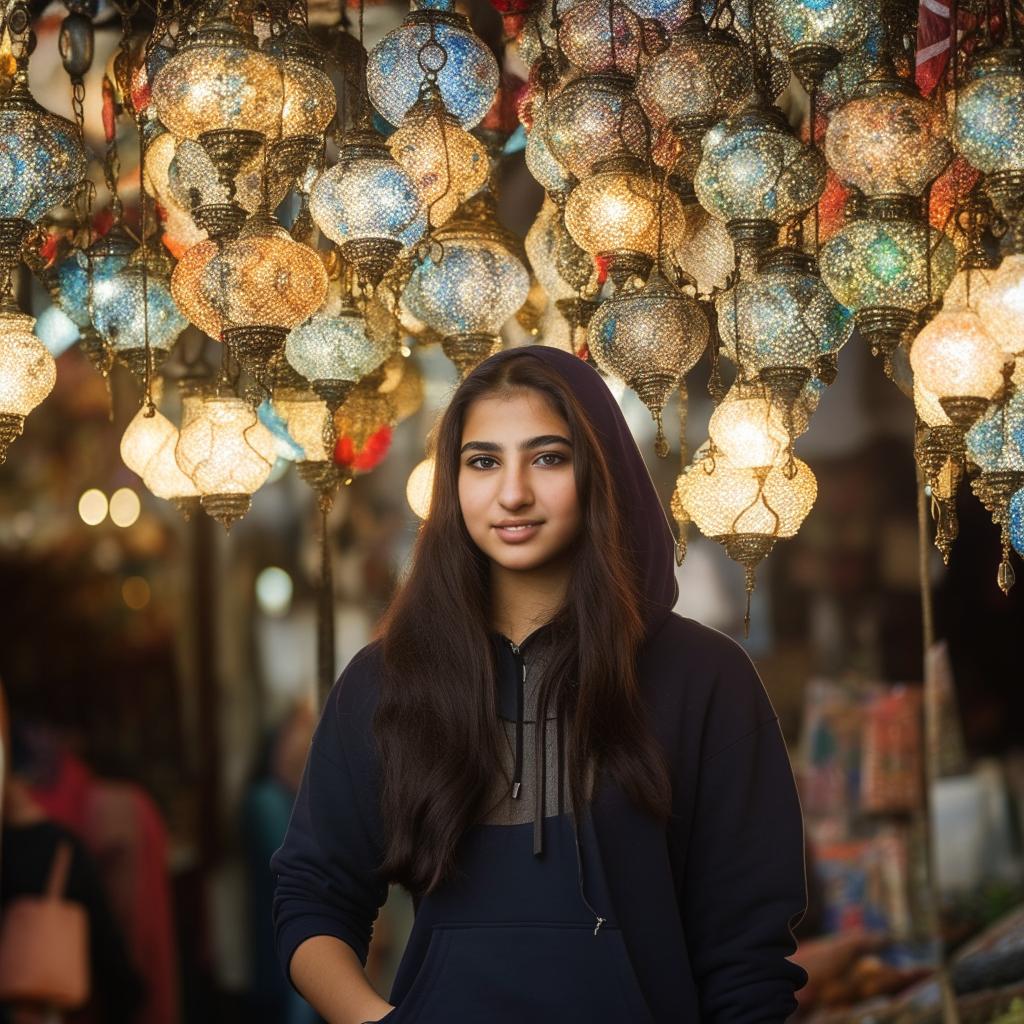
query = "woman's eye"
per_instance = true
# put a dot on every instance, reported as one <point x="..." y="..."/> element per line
<point x="554" y="456"/>
<point x="476" y="462"/>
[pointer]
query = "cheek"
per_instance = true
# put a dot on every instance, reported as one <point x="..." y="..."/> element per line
<point x="565" y="500"/>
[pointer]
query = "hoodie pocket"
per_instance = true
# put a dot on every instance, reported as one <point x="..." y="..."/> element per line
<point x="510" y="972"/>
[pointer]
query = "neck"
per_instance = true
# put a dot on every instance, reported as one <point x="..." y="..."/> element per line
<point x="523" y="601"/>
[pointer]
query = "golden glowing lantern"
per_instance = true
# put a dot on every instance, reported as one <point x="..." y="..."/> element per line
<point x="230" y="452"/>
<point x="959" y="362"/>
<point x="143" y="438"/>
<point x="706" y="252"/>
<point x="27" y="373"/>
<point x="311" y="426"/>
<point x="420" y="487"/>
<point x="748" y="428"/>
<point x="1000" y="304"/>
<point x="165" y="479"/>
<point x="446" y="164"/>
<point x="614" y="212"/>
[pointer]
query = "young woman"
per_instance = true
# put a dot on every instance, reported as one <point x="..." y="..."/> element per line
<point x="588" y="796"/>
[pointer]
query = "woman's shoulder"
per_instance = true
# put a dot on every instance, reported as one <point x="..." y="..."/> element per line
<point x="352" y="699"/>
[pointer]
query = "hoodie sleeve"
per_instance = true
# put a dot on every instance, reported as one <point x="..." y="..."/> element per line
<point x="744" y="886"/>
<point x="325" y="873"/>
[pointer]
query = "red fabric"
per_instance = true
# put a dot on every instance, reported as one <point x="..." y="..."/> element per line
<point x="122" y="828"/>
<point x="363" y="460"/>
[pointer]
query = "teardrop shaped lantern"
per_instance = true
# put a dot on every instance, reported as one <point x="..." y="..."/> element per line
<point x="747" y="428"/>
<point x="469" y="283"/>
<point x="27" y="373"/>
<point x="649" y="337"/>
<point x="368" y="204"/>
<point x="437" y="42"/>
<point x="599" y="37"/>
<point x="143" y="437"/>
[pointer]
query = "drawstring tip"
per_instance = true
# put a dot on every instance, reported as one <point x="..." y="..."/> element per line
<point x="515" y="790"/>
<point x="600" y="921"/>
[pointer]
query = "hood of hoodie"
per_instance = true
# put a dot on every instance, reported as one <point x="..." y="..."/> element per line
<point x="650" y="538"/>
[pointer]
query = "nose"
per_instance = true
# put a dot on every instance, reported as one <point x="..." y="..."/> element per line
<point x="514" y="491"/>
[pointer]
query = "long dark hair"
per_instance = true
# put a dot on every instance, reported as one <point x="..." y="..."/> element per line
<point x="436" y="723"/>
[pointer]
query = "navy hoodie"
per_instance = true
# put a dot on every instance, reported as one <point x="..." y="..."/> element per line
<point x="699" y="914"/>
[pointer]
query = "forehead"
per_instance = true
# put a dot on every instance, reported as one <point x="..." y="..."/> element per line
<point x="519" y="414"/>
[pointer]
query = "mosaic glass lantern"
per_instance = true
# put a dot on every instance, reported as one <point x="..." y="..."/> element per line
<point x="593" y="118"/>
<point x="599" y="37"/>
<point x="446" y="164"/>
<point x="755" y="174"/>
<point x="334" y="352"/>
<point x="747" y="510"/>
<point x="42" y="162"/>
<point x="128" y="312"/>
<point x="1015" y="516"/>
<point x="221" y="91"/>
<point x="649" y="337"/>
<point x="229" y="452"/>
<point x="748" y="429"/>
<point x="164" y="478"/>
<point x="368" y="204"/>
<point x="815" y="34"/>
<point x="988" y="124"/>
<point x="540" y="161"/>
<point x="1000" y="303"/>
<point x="27" y="373"/>
<point x="468" y="285"/>
<point x="107" y="256"/>
<point x="175" y="215"/>
<point x="888" y="138"/>
<point x="706" y="252"/>
<point x="308" y="102"/>
<point x="955" y="359"/>
<point x="994" y="445"/>
<point x="700" y="78"/>
<point x="782" y="322"/>
<point x="614" y="214"/>
<point x="434" y="42"/>
<point x="877" y="266"/>
<point x="143" y="437"/>
<point x="311" y="426"/>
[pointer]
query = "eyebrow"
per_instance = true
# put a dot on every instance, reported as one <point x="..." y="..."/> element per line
<point x="524" y="446"/>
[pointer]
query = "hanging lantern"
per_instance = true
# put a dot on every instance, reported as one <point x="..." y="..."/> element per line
<point x="756" y="175"/>
<point x="469" y="287"/>
<point x="363" y="426"/>
<point x="613" y="214"/>
<point x="220" y="90"/>
<point x="143" y="438"/>
<point x="334" y="352"/>
<point x="988" y="125"/>
<point x="164" y="478"/>
<point x="125" y="310"/>
<point x="599" y="37"/>
<point x="994" y="444"/>
<point x="251" y="291"/>
<point x="999" y="297"/>
<point x="368" y="204"/>
<point x="307" y="105"/>
<point x="747" y="510"/>
<point x="42" y="163"/>
<point x="419" y="489"/>
<point x="888" y="139"/>
<point x="781" y="324"/>
<point x="27" y="373"/>
<point x="230" y="455"/>
<point x="180" y="230"/>
<point x="748" y="429"/>
<point x="107" y="256"/>
<point x="563" y="269"/>
<point x="706" y="252"/>
<point x="956" y="359"/>
<point x="701" y="77"/>
<point x="593" y="118"/>
<point x="649" y="337"/>
<point x="446" y="164"/>
<point x="1015" y="515"/>
<point x="310" y="424"/>
<point x="878" y="267"/>
<point x="541" y="163"/>
<point x="439" y="43"/>
<point x="815" y="34"/>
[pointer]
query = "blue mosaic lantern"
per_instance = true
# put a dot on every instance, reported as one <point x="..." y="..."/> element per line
<point x="783" y="326"/>
<point x="42" y="162"/>
<point x="1016" y="517"/>
<point x="70" y="278"/>
<point x="334" y="353"/>
<point x="471" y="284"/>
<point x="878" y="267"/>
<point x="442" y="44"/>
<point x="134" y="301"/>
<point x="368" y="204"/>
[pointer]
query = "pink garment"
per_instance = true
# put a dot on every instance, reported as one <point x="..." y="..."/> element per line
<point x="122" y="828"/>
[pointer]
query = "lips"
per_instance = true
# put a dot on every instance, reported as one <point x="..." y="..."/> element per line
<point x="514" y="532"/>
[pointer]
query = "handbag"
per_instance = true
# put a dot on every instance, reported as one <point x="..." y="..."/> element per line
<point x="44" y="944"/>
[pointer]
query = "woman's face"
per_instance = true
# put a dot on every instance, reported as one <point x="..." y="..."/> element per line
<point x="517" y="486"/>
